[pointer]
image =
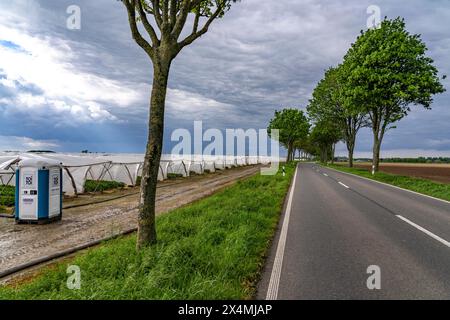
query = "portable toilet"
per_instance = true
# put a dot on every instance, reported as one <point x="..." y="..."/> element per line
<point x="38" y="191"/>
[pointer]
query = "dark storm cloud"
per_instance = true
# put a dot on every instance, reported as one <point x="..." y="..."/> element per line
<point x="264" y="55"/>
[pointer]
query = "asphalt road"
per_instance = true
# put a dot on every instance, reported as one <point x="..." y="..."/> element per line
<point x="339" y="225"/>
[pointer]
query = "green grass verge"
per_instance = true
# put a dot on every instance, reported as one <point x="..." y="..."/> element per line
<point x="99" y="186"/>
<point x="428" y="187"/>
<point x="7" y="196"/>
<point x="212" y="249"/>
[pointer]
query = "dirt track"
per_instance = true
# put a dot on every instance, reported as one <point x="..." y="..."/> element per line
<point x="21" y="244"/>
<point x="435" y="172"/>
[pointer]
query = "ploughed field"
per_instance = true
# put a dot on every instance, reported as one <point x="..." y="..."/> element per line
<point x="434" y="172"/>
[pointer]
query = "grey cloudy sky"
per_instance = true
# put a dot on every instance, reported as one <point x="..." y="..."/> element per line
<point x="70" y="90"/>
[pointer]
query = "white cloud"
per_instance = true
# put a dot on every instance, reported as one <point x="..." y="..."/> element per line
<point x="8" y="83"/>
<point x="61" y="111"/>
<point x="189" y="106"/>
<point x="16" y="143"/>
<point x="47" y="64"/>
<point x="184" y="102"/>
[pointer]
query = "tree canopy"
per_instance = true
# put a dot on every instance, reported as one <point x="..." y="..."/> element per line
<point x="293" y="126"/>
<point x="325" y="134"/>
<point x="384" y="73"/>
<point x="388" y="72"/>
<point x="170" y="18"/>
<point x="328" y="104"/>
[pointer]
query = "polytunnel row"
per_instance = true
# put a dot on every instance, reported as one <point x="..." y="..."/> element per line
<point x="124" y="168"/>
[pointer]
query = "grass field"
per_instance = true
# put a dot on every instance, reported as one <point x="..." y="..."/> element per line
<point x="428" y="187"/>
<point x="212" y="249"/>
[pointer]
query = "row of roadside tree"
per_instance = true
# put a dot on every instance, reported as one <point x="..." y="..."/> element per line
<point x="383" y="75"/>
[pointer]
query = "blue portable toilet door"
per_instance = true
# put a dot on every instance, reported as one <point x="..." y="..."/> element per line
<point x="55" y="192"/>
<point x="28" y="197"/>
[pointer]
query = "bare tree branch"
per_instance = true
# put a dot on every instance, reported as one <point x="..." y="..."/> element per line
<point x="181" y="19"/>
<point x="173" y="11"/>
<point x="157" y="13"/>
<point x="147" y="25"/>
<point x="131" y="5"/>
<point x="196" y="20"/>
<point x="165" y="12"/>
<point x="195" y="35"/>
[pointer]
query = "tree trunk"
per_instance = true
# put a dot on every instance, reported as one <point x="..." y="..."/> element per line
<point x="376" y="153"/>
<point x="379" y="129"/>
<point x="350" y="158"/>
<point x="350" y="148"/>
<point x="289" y="157"/>
<point x="146" y="219"/>
<point x="333" y="151"/>
<point x="325" y="154"/>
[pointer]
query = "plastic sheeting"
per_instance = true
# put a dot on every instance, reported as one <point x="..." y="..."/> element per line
<point x="124" y="168"/>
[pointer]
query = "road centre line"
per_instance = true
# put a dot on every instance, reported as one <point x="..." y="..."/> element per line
<point x="418" y="227"/>
<point x="389" y="185"/>
<point x="345" y="186"/>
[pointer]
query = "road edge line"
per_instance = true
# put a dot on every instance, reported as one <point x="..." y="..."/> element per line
<point x="272" y="290"/>
<point x="427" y="232"/>
<point x="387" y="184"/>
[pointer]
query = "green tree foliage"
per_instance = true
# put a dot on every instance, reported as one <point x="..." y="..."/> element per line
<point x="305" y="147"/>
<point x="164" y="23"/>
<point x="388" y="73"/>
<point x="293" y="126"/>
<point x="328" y="104"/>
<point x="325" y="134"/>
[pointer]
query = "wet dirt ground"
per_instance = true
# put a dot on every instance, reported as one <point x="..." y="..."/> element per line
<point x="81" y="223"/>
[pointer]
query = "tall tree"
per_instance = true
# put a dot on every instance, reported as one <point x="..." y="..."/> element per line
<point x="164" y="22"/>
<point x="324" y="135"/>
<point x="293" y="126"/>
<point x="303" y="146"/>
<point x="328" y="103"/>
<point x="390" y="72"/>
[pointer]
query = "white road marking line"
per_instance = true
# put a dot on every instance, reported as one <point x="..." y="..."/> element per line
<point x="344" y="185"/>
<point x="435" y="237"/>
<point x="272" y="290"/>
<point x="325" y="175"/>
